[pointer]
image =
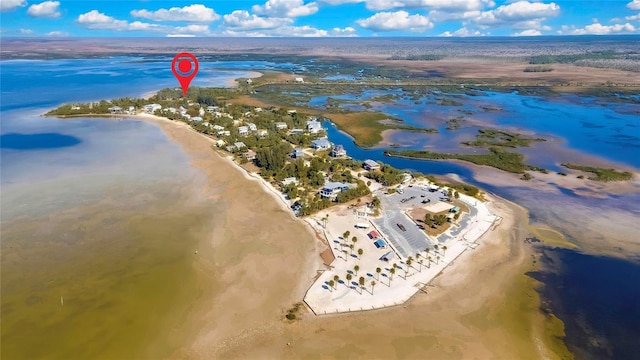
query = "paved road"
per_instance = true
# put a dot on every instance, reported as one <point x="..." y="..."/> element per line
<point x="413" y="240"/>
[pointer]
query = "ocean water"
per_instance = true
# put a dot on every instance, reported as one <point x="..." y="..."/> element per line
<point x="99" y="216"/>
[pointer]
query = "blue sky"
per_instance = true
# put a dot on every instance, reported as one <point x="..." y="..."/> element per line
<point x="318" y="18"/>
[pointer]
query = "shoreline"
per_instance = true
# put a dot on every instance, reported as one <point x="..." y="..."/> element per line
<point x="461" y="264"/>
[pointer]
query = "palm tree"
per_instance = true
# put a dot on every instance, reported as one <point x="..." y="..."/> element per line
<point x="332" y="283"/>
<point x="360" y="252"/>
<point x="373" y="283"/>
<point x="420" y="262"/>
<point x="392" y="271"/>
<point x="378" y="270"/>
<point x="409" y="262"/>
<point x="426" y="250"/>
<point x="435" y="247"/>
<point x="354" y="240"/>
<point x="444" y="248"/>
<point x="351" y="247"/>
<point x="429" y="262"/>
<point x="437" y="259"/>
<point x="336" y="278"/>
<point x="346" y="235"/>
<point x="345" y="255"/>
<point x="361" y="282"/>
<point x="349" y="277"/>
<point x="356" y="268"/>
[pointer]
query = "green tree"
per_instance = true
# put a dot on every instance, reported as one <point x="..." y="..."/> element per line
<point x="356" y="269"/>
<point x="332" y="283"/>
<point x="373" y="283"/>
<point x="346" y="234"/>
<point x="361" y="282"/>
<point x="378" y="271"/>
<point x="444" y="248"/>
<point x="349" y="277"/>
<point x="360" y="252"/>
<point x="392" y="271"/>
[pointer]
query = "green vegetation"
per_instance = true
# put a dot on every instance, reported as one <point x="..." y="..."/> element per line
<point x="538" y="69"/>
<point x="567" y="59"/>
<point x="601" y="174"/>
<point x="449" y="102"/>
<point x="455" y="123"/>
<point x="486" y="138"/>
<point x="497" y="158"/>
<point x="387" y="175"/>
<point x="526" y="177"/>
<point x="366" y="127"/>
<point x="294" y="312"/>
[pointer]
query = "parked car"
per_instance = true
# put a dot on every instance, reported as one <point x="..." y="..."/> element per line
<point x="401" y="227"/>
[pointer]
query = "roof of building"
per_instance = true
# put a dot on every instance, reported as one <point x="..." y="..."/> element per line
<point x="321" y="142"/>
<point x="370" y="162"/>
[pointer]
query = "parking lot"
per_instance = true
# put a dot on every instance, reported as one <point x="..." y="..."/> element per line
<point x="412" y="239"/>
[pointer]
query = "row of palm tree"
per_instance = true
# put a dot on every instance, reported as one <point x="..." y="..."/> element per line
<point x="333" y="283"/>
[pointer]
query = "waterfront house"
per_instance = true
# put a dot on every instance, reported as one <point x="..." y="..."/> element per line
<point x="250" y="155"/>
<point x="218" y="127"/>
<point x="331" y="189"/>
<point x="230" y="148"/>
<point x="220" y="143"/>
<point x="281" y="125"/>
<point x="196" y="119"/>
<point x="224" y="133"/>
<point x="252" y="127"/>
<point x="299" y="80"/>
<point x="291" y="112"/>
<point x="337" y="151"/>
<point x="249" y="81"/>
<point x="370" y="165"/>
<point x="201" y="111"/>
<point x="132" y="109"/>
<point x="321" y="144"/>
<point x="296" y="132"/>
<point x="151" y="108"/>
<point x="313" y="126"/>
<point x="243" y="130"/>
<point x="115" y="110"/>
<point x="239" y="145"/>
<point x="297" y="153"/>
<point x="290" y="180"/>
<point x="263" y="132"/>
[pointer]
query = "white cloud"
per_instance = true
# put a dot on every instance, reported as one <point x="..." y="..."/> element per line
<point x="180" y="35"/>
<point x="9" y="5"/>
<point x="528" y="32"/>
<point x="462" y="32"/>
<point x="348" y="31"/>
<point x="399" y="20"/>
<point x="632" y="17"/>
<point x="96" y="20"/>
<point x="241" y="19"/>
<point x="47" y="9"/>
<point x="447" y="5"/>
<point x="286" y="8"/>
<point x="518" y="12"/>
<point x="634" y="5"/>
<point x="25" y="31"/>
<point x="191" y="13"/>
<point x="283" y="31"/>
<point x="57" y="34"/>
<point x="599" y="29"/>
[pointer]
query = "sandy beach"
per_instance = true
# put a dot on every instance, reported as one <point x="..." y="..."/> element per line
<point x="263" y="259"/>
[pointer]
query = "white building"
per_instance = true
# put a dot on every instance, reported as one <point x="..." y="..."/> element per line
<point x="151" y="108"/>
<point x="314" y="126"/>
<point x="320" y="144"/>
<point x="281" y="125"/>
<point x="252" y="127"/>
<point x="263" y="132"/>
<point x="299" y="80"/>
<point x="243" y="130"/>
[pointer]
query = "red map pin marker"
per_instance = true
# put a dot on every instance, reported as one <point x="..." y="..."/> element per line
<point x="185" y="68"/>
